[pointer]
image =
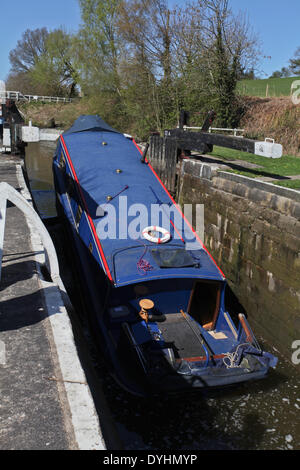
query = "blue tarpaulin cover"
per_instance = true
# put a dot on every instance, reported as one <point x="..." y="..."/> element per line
<point x="89" y="123"/>
<point x="97" y="151"/>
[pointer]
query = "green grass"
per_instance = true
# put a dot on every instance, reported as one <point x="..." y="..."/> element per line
<point x="270" y="87"/>
<point x="293" y="184"/>
<point x="275" y="168"/>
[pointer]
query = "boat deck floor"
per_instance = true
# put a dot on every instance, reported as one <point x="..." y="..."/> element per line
<point x="179" y="335"/>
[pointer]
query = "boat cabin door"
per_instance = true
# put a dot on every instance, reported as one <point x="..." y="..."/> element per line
<point x="204" y="303"/>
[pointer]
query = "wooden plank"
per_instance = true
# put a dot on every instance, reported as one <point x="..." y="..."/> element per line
<point x="163" y="158"/>
<point x="195" y="140"/>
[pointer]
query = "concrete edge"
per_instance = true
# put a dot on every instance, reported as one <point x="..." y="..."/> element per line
<point x="263" y="185"/>
<point x="82" y="412"/>
<point x="208" y="171"/>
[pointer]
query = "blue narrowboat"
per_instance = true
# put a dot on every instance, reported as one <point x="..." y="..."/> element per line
<point x="155" y="296"/>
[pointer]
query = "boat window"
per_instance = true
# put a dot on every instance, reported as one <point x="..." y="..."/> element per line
<point x="69" y="186"/>
<point x="174" y="258"/>
<point x="62" y="161"/>
<point x="78" y="215"/>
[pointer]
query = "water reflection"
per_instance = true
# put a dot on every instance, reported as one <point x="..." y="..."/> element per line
<point x="38" y="161"/>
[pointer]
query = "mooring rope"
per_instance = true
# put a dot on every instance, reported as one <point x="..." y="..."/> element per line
<point x="232" y="357"/>
<point x="143" y="265"/>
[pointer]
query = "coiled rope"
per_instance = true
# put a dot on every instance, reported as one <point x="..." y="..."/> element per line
<point x="230" y="359"/>
<point x="143" y="265"/>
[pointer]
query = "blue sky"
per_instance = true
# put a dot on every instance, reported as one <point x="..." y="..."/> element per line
<point x="277" y="25"/>
<point x="19" y="15"/>
<point x="275" y="22"/>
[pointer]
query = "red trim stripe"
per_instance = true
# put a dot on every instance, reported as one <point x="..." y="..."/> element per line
<point x="200" y="358"/>
<point x="87" y="212"/>
<point x="177" y="231"/>
<point x="179" y="210"/>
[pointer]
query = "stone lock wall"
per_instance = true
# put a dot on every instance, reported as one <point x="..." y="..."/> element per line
<point x="252" y="229"/>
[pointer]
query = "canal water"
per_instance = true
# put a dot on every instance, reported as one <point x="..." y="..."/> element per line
<point x="262" y="415"/>
<point x="38" y="162"/>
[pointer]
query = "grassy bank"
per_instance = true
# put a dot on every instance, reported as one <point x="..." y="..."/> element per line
<point x="270" y="87"/>
<point x="60" y="115"/>
<point x="63" y="115"/>
<point x="277" y="118"/>
<point x="278" y="169"/>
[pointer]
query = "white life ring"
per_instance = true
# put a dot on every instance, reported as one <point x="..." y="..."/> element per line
<point x="153" y="228"/>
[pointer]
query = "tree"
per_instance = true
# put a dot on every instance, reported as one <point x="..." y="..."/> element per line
<point x="197" y="54"/>
<point x="55" y="67"/>
<point x="247" y="74"/>
<point x="276" y="74"/>
<point x="146" y="27"/>
<point x="283" y="73"/>
<point x="189" y="61"/>
<point x="99" y="44"/>
<point x="98" y="53"/>
<point x="20" y="81"/>
<point x="140" y="94"/>
<point x="230" y="48"/>
<point x="295" y="62"/>
<point x="42" y="63"/>
<point x="139" y="62"/>
<point x="146" y="24"/>
<point x="29" y="48"/>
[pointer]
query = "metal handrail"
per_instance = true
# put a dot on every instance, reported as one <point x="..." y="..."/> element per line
<point x="222" y="129"/>
<point x="17" y="95"/>
<point x="8" y="193"/>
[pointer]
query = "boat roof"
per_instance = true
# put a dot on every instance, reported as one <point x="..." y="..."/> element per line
<point x="89" y="123"/>
<point x="96" y="152"/>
